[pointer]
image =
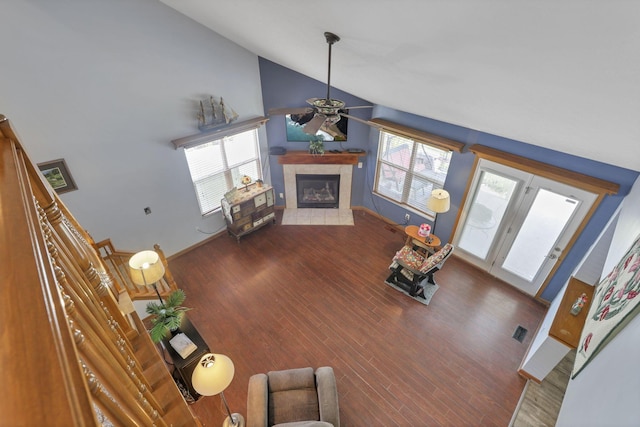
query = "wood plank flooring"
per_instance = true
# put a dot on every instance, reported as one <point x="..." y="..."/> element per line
<point x="540" y="404"/>
<point x="295" y="296"/>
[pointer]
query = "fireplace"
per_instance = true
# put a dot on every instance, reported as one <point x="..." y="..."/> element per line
<point x="317" y="191"/>
<point x="318" y="215"/>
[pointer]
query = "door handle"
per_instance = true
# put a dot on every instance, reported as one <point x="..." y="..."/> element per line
<point x="552" y="256"/>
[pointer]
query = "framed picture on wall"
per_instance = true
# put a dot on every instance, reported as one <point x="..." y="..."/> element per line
<point x="296" y="122"/>
<point x="57" y="174"/>
<point x="616" y="301"/>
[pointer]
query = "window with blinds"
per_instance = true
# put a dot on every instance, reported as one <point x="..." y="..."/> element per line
<point x="217" y="166"/>
<point x="409" y="170"/>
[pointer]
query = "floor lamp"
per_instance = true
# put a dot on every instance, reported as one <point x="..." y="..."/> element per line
<point x="146" y="269"/>
<point x="438" y="202"/>
<point x="212" y="376"/>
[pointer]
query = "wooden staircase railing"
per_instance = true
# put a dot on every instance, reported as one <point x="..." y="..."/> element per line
<point x="69" y="356"/>
<point x="118" y="264"/>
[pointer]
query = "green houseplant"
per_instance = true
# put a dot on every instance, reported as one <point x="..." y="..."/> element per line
<point x="167" y="315"/>
<point x="316" y="147"/>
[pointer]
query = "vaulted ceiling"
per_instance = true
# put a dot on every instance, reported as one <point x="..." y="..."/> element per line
<point x="558" y="74"/>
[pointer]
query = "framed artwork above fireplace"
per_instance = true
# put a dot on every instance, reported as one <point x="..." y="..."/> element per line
<point x="295" y="122"/>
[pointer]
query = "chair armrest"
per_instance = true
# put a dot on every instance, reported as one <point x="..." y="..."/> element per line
<point x="328" y="395"/>
<point x="258" y="401"/>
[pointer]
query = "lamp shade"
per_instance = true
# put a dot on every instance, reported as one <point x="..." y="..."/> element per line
<point x="438" y="202"/>
<point x="146" y="268"/>
<point x="212" y="374"/>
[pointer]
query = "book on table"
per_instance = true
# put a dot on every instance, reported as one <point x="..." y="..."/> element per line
<point x="183" y="345"/>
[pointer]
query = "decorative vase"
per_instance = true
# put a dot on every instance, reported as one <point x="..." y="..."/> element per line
<point x="424" y="230"/>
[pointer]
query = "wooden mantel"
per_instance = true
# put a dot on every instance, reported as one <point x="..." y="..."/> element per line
<point x="304" y="158"/>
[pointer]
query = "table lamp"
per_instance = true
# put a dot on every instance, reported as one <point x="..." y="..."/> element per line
<point x="146" y="269"/>
<point x="438" y="202"/>
<point x="212" y="376"/>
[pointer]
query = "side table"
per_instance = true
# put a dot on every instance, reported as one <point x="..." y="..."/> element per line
<point x="183" y="368"/>
<point x="413" y="238"/>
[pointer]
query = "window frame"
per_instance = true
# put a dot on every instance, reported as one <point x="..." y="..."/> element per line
<point x="409" y="171"/>
<point x="227" y="171"/>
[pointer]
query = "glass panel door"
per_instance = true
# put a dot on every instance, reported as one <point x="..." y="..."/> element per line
<point x="516" y="225"/>
<point x="486" y="213"/>
<point x="542" y="226"/>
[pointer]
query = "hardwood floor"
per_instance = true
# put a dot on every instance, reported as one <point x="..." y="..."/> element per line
<point x="295" y="296"/>
<point x="540" y="404"/>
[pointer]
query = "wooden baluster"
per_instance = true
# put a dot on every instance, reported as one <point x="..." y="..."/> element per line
<point x="39" y="353"/>
<point x="117" y="352"/>
<point x="92" y="311"/>
<point x="79" y="253"/>
<point x="62" y="301"/>
<point x="114" y="412"/>
<point x="115" y="379"/>
<point x="118" y="347"/>
<point x="134" y="404"/>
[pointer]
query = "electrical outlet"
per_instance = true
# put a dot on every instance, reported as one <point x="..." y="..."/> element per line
<point x="281" y="196"/>
<point x="407" y="217"/>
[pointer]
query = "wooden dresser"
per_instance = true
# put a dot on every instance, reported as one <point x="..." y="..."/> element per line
<point x="248" y="209"/>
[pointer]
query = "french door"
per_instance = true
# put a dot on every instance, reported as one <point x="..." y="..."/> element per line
<point x="515" y="225"/>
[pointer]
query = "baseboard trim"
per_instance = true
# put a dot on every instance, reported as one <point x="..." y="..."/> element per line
<point x="197" y="245"/>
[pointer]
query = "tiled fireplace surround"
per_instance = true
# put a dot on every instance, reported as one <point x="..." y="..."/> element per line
<point x="317" y="216"/>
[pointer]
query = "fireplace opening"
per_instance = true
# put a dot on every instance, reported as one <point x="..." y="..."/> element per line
<point x="318" y="191"/>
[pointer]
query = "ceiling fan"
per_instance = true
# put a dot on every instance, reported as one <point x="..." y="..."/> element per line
<point x="325" y="110"/>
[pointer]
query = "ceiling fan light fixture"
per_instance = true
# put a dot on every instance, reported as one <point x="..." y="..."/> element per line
<point x="328" y="106"/>
<point x="332" y="120"/>
<point x="326" y="111"/>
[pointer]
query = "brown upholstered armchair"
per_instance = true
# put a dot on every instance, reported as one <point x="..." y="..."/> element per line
<point x="293" y="398"/>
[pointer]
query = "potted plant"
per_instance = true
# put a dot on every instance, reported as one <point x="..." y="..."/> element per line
<point x="316" y="147"/>
<point x="167" y="315"/>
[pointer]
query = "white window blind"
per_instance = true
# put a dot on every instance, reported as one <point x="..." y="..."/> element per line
<point x="409" y="170"/>
<point x="217" y="166"/>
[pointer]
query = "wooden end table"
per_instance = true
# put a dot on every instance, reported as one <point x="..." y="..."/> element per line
<point x="430" y="243"/>
<point x="183" y="368"/>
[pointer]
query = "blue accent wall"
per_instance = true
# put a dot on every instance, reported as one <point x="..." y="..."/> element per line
<point x="282" y="87"/>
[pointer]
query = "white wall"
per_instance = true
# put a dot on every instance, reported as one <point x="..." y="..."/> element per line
<point x="107" y="85"/>
<point x="607" y="391"/>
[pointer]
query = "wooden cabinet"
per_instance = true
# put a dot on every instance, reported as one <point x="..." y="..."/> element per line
<point x="566" y="327"/>
<point x="248" y="209"/>
<point x="558" y="334"/>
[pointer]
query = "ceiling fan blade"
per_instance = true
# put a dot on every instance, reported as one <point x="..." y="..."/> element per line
<point x="314" y="124"/>
<point x="285" y="111"/>
<point x="359" y="106"/>
<point x="358" y="119"/>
